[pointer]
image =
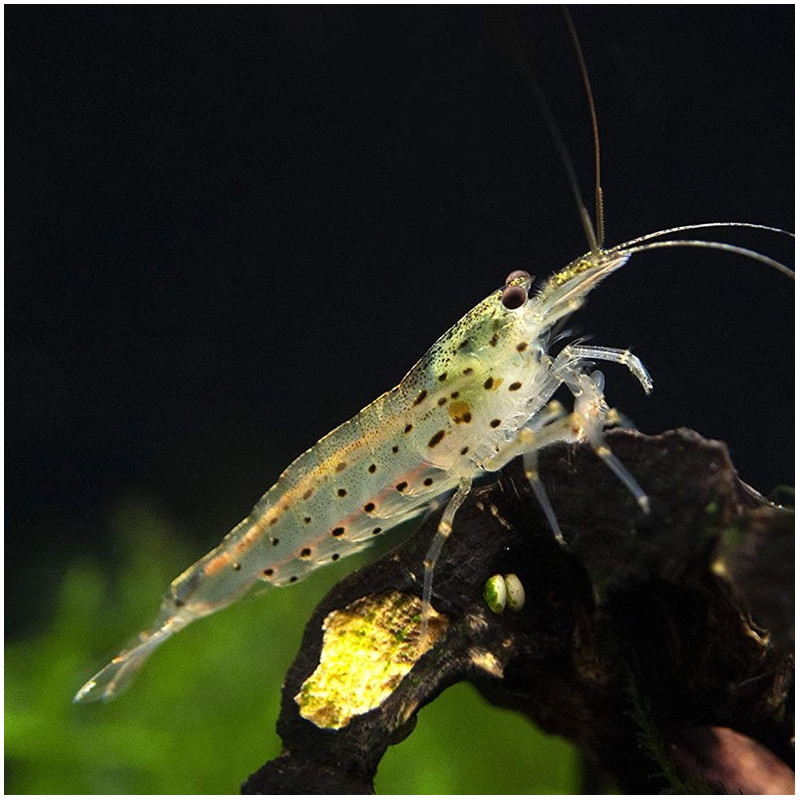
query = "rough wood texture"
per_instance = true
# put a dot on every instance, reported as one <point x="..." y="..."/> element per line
<point x="649" y="642"/>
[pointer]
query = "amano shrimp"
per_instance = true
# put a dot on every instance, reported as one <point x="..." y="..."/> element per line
<point x="481" y="396"/>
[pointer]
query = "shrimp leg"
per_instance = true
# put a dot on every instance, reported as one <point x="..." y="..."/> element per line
<point x="592" y="412"/>
<point x="570" y="360"/>
<point x="527" y="443"/>
<point x="443" y="531"/>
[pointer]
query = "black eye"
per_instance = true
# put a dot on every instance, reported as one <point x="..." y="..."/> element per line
<point x="517" y="273"/>
<point x="513" y="296"/>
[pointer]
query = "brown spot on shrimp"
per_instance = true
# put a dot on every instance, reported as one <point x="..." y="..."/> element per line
<point x="436" y="438"/>
<point x="460" y="412"/>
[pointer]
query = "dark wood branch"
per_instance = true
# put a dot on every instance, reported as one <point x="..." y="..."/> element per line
<point x="659" y="644"/>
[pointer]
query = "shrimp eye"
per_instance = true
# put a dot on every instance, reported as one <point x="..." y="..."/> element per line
<point x="513" y="296"/>
<point x="518" y="273"/>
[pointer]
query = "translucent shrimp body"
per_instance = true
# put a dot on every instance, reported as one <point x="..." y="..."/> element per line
<point x="480" y="396"/>
<point x="450" y="418"/>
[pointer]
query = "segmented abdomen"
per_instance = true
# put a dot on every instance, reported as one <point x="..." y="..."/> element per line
<point x="361" y="479"/>
<point x="454" y="409"/>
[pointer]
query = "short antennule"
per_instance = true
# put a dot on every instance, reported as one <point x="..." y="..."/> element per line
<point x="522" y="63"/>
<point x="598" y="189"/>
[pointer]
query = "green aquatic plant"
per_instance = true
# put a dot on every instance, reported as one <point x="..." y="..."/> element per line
<point x="203" y="717"/>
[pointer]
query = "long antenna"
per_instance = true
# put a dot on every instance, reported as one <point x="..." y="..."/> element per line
<point x="598" y="189"/>
<point x="526" y="70"/>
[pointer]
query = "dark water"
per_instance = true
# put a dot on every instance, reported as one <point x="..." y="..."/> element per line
<point x="228" y="229"/>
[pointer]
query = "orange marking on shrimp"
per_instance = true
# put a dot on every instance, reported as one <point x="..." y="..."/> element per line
<point x="217" y="563"/>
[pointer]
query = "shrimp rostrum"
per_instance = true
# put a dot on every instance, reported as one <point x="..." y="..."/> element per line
<point x="481" y="396"/>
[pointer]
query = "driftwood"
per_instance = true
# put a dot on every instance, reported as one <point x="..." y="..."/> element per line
<point x="661" y="645"/>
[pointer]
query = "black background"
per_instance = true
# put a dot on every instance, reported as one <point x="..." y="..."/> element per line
<point x="229" y="228"/>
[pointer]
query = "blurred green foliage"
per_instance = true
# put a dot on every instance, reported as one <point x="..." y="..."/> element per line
<point x="201" y="716"/>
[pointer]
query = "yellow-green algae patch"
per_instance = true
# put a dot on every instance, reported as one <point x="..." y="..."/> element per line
<point x="367" y="649"/>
